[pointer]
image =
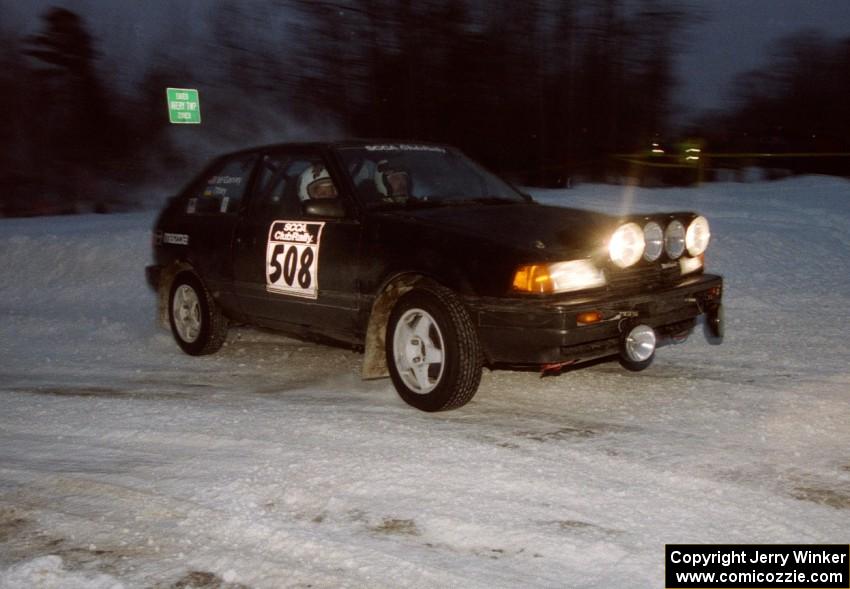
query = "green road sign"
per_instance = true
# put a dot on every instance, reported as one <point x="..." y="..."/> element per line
<point x="183" y="105"/>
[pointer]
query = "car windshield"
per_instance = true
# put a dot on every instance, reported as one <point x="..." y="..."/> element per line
<point x="394" y="175"/>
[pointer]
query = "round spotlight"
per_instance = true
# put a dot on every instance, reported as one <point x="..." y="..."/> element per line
<point x="698" y="236"/>
<point x="639" y="343"/>
<point x="674" y="239"/>
<point x="626" y="245"/>
<point x="654" y="238"/>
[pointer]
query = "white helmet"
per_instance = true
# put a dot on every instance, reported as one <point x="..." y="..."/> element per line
<point x="315" y="182"/>
<point x="391" y="183"/>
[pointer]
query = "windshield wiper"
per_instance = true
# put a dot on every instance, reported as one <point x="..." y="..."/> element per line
<point x="432" y="202"/>
<point x="484" y="200"/>
<point x="410" y="202"/>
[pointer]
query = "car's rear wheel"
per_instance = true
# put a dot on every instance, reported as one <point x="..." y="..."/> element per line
<point x="198" y="325"/>
<point x="432" y="350"/>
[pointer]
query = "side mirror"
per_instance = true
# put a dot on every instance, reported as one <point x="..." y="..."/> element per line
<point x="325" y="207"/>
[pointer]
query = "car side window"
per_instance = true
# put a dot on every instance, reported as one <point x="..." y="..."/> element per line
<point x="221" y="190"/>
<point x="272" y="187"/>
<point x="314" y="180"/>
<point x="288" y="180"/>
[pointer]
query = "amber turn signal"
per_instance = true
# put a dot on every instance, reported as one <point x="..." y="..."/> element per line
<point x="589" y="317"/>
<point x="533" y="278"/>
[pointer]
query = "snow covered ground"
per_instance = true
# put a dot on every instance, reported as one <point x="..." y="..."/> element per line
<point x="271" y="464"/>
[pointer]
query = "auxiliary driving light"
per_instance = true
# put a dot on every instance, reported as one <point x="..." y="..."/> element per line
<point x="653" y="235"/>
<point x="698" y="236"/>
<point x="674" y="239"/>
<point x="639" y="343"/>
<point x="626" y="245"/>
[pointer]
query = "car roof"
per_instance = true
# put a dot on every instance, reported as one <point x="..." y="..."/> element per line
<point x="329" y="145"/>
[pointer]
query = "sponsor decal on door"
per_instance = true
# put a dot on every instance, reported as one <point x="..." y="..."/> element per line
<point x="292" y="258"/>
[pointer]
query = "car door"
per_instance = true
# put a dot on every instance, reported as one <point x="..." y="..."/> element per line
<point x="205" y="228"/>
<point x="294" y="269"/>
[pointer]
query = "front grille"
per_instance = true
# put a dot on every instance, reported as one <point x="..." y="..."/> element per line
<point x="648" y="277"/>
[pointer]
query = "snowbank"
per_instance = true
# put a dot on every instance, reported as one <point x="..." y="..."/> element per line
<point x="271" y="464"/>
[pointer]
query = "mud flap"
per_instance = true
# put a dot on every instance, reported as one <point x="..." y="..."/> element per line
<point x="715" y="322"/>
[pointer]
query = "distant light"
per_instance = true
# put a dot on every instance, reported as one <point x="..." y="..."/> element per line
<point x="657" y="150"/>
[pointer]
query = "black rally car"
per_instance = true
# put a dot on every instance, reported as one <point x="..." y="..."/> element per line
<point x="431" y="264"/>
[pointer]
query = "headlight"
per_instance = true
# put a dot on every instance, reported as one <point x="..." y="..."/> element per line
<point x="626" y="245"/>
<point x="674" y="239"/>
<point x="698" y="236"/>
<point x="688" y="265"/>
<point x="654" y="238"/>
<point x="558" y="277"/>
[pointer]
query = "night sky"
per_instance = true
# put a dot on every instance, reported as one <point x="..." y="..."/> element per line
<point x="737" y="35"/>
<point x="733" y="35"/>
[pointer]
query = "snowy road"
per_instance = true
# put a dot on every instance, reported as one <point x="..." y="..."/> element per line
<point x="271" y="464"/>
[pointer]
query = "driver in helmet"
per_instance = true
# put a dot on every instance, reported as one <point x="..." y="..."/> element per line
<point x="315" y="182"/>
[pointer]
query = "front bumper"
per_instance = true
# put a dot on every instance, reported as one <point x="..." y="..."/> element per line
<point x="546" y="331"/>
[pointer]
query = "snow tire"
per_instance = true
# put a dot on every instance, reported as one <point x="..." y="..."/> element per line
<point x="197" y="323"/>
<point x="430" y="327"/>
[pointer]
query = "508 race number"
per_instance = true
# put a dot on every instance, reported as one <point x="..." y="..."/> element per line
<point x="292" y="258"/>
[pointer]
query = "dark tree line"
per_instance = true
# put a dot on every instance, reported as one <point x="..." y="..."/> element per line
<point x="536" y="89"/>
<point x="796" y="104"/>
<point x="62" y="128"/>
<point x="540" y="90"/>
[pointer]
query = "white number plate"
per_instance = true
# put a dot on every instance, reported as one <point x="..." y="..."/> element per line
<point x="292" y="258"/>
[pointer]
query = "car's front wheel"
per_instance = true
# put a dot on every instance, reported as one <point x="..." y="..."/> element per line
<point x="432" y="350"/>
<point x="198" y="325"/>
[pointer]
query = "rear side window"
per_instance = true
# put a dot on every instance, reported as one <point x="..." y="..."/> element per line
<point x="221" y="190"/>
<point x="276" y="185"/>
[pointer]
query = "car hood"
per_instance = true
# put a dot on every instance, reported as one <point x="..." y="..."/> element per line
<point x="545" y="230"/>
